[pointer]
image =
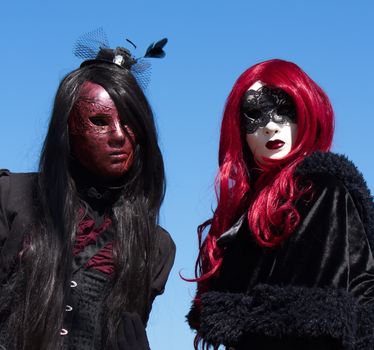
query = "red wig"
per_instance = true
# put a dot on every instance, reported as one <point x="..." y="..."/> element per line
<point x="275" y="187"/>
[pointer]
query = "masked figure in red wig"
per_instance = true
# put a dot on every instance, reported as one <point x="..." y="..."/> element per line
<point x="287" y="261"/>
<point x="82" y="256"/>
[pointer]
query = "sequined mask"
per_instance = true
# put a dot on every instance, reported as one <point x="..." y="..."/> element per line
<point x="266" y="104"/>
<point x="93" y="117"/>
<point x="99" y="139"/>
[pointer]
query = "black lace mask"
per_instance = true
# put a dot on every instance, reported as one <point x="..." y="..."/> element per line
<point x="260" y="106"/>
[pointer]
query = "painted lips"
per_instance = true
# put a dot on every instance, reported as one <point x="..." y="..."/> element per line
<point x="118" y="155"/>
<point x="274" y="144"/>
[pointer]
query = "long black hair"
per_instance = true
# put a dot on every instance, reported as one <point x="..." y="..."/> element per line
<point x="44" y="273"/>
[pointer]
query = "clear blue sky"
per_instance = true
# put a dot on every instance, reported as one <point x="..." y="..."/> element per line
<point x="210" y="44"/>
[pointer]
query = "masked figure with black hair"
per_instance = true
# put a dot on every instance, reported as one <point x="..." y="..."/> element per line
<point x="82" y="256"/>
<point x="287" y="262"/>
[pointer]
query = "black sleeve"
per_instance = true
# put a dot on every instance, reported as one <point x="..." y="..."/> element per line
<point x="164" y="263"/>
<point x="131" y="333"/>
<point x="16" y="215"/>
<point x="324" y="286"/>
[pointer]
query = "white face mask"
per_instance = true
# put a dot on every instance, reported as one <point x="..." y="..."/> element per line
<point x="275" y="139"/>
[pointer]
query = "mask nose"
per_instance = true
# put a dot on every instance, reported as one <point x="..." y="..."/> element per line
<point x="271" y="128"/>
<point x="117" y="135"/>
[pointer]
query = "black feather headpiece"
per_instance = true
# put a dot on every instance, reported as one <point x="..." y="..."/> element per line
<point x="93" y="47"/>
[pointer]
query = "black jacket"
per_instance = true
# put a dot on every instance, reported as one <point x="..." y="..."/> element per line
<point x="316" y="290"/>
<point x="18" y="201"/>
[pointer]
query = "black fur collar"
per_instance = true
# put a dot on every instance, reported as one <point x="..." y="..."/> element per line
<point x="344" y="171"/>
<point x="347" y="173"/>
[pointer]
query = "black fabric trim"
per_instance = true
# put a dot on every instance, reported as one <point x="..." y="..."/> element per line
<point x="275" y="311"/>
<point x="345" y="171"/>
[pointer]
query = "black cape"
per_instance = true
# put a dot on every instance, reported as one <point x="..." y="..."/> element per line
<point x="316" y="290"/>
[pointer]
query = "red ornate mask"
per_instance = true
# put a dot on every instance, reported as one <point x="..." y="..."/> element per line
<point x="99" y="139"/>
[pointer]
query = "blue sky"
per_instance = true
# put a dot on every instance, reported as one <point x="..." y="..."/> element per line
<point x="210" y="44"/>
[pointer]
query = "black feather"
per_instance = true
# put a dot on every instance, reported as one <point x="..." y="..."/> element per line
<point x="155" y="50"/>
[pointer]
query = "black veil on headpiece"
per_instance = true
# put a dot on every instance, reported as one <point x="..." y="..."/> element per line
<point x="94" y="47"/>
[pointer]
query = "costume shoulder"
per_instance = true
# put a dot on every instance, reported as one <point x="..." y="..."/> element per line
<point x="165" y="260"/>
<point x="17" y="182"/>
<point x="338" y="166"/>
<point x="166" y="243"/>
<point x="16" y="192"/>
<point x="344" y="171"/>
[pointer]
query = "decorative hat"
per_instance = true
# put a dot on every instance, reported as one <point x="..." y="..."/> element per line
<point x="93" y="47"/>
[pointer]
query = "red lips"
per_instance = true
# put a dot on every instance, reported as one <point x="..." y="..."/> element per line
<point x="118" y="156"/>
<point x="274" y="144"/>
<point x="117" y="153"/>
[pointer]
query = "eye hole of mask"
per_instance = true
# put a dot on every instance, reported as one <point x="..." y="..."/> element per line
<point x="99" y="120"/>
<point x="254" y="114"/>
<point x="284" y="110"/>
